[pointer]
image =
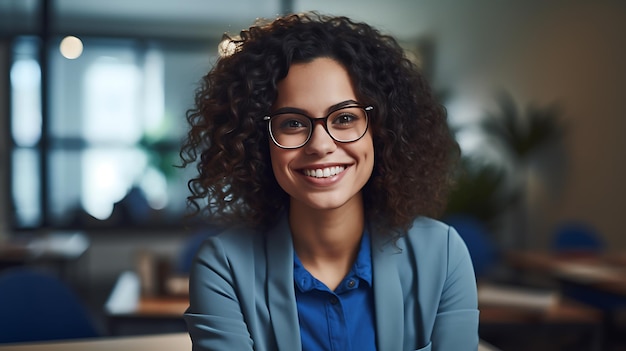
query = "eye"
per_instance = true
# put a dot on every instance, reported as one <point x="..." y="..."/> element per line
<point x="344" y="118"/>
<point x="290" y="123"/>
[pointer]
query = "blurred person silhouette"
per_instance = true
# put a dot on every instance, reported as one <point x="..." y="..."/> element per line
<point x="321" y="149"/>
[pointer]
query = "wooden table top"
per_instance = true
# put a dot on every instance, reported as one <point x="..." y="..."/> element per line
<point x="605" y="272"/>
<point x="163" y="342"/>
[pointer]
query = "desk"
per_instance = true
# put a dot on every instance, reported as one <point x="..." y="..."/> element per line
<point x="53" y="246"/>
<point x="603" y="273"/>
<point x="130" y="313"/>
<point x="558" y="327"/>
<point x="166" y="342"/>
<point x="597" y="280"/>
<point x="152" y="315"/>
<point x="516" y="318"/>
<point x="57" y="249"/>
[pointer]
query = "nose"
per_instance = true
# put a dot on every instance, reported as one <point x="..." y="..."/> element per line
<point x="320" y="143"/>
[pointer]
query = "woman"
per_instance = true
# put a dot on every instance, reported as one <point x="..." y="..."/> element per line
<point x="320" y="145"/>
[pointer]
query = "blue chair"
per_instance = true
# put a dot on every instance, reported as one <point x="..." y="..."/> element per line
<point x="580" y="238"/>
<point x="481" y="247"/>
<point x="35" y="306"/>
<point x="191" y="246"/>
<point x="577" y="237"/>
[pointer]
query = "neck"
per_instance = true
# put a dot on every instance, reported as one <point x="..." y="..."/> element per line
<point x="327" y="241"/>
<point x="322" y="232"/>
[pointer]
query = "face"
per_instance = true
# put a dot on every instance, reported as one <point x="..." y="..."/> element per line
<point x="323" y="174"/>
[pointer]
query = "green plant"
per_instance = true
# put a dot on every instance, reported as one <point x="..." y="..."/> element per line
<point x="479" y="191"/>
<point x="485" y="190"/>
<point x="523" y="135"/>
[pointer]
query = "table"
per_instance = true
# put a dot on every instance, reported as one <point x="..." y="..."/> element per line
<point x="52" y="249"/>
<point x="597" y="280"/>
<point x="128" y="312"/>
<point x="601" y="275"/>
<point x="152" y="315"/>
<point x="165" y="342"/>
<point x="517" y="318"/>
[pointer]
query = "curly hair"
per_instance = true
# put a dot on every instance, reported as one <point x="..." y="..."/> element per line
<point x="228" y="140"/>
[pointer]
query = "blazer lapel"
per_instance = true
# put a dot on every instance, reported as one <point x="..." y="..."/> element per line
<point x="387" y="295"/>
<point x="280" y="290"/>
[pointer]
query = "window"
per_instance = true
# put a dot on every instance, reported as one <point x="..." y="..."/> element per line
<point x="104" y="154"/>
<point x="25" y="78"/>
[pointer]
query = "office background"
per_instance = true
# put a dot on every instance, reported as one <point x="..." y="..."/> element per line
<point x="564" y="54"/>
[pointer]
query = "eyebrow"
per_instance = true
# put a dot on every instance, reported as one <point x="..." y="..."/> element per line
<point x="334" y="107"/>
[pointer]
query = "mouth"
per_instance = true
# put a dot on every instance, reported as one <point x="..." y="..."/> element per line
<point x="325" y="172"/>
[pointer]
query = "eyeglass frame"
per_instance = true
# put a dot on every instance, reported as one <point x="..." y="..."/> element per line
<point x="323" y="120"/>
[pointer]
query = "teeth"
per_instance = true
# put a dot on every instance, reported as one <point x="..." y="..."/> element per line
<point x="324" y="173"/>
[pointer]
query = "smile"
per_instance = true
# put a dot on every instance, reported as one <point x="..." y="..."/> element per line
<point x="324" y="172"/>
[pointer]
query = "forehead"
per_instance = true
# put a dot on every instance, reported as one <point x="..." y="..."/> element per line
<point x="314" y="86"/>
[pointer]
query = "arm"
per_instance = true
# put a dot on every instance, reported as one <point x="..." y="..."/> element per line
<point x="456" y="324"/>
<point x="214" y="317"/>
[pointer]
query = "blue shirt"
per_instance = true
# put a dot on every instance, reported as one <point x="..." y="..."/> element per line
<point x="340" y="320"/>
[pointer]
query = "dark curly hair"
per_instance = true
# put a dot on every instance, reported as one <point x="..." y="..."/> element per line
<point x="228" y="140"/>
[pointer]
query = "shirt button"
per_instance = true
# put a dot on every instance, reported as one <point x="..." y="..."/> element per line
<point x="333" y="300"/>
<point x="351" y="283"/>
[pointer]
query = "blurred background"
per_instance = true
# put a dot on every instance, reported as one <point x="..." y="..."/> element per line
<point x="93" y="97"/>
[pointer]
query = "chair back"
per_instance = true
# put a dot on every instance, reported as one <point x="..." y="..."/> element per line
<point x="36" y="306"/>
<point x="191" y="246"/>
<point x="577" y="237"/>
<point x="483" y="251"/>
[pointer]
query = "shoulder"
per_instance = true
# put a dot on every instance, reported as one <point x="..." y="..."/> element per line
<point x="430" y="240"/>
<point x="428" y="225"/>
<point x="243" y="245"/>
<point x="428" y="231"/>
<point x="230" y="243"/>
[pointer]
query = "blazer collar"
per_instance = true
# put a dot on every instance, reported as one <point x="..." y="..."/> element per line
<point x="388" y="299"/>
<point x="281" y="290"/>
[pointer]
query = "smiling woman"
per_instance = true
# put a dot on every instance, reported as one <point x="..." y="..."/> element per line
<point x="320" y="145"/>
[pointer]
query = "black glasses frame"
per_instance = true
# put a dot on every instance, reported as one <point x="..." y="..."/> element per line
<point x="324" y="121"/>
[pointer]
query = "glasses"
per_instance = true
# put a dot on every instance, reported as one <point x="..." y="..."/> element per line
<point x="291" y="128"/>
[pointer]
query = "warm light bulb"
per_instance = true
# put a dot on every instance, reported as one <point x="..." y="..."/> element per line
<point x="71" y="47"/>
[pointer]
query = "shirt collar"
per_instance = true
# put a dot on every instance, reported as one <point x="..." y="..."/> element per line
<point x="362" y="267"/>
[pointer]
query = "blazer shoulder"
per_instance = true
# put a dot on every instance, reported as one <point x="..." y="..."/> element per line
<point x="429" y="229"/>
<point x="429" y="234"/>
<point x="430" y="224"/>
<point x="235" y="242"/>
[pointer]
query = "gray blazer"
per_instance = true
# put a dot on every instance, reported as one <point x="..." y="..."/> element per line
<point x="242" y="291"/>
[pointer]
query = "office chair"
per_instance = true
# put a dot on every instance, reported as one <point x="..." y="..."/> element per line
<point x="36" y="306"/>
<point x="483" y="251"/>
<point x="191" y="246"/>
<point x="576" y="237"/>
